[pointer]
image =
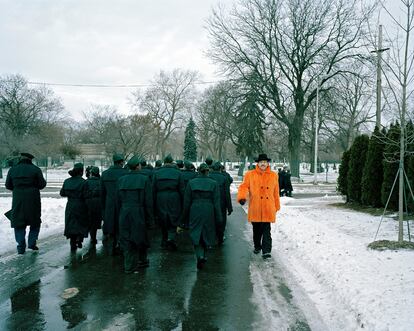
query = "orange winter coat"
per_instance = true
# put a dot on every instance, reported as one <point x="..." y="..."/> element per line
<point x="261" y="188"/>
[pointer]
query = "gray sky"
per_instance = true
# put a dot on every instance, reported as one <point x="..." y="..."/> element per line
<point x="105" y="42"/>
<point x="102" y="42"/>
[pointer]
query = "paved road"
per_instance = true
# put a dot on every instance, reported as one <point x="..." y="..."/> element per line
<point x="170" y="295"/>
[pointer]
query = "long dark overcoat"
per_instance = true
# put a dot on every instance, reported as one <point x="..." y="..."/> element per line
<point x="202" y="209"/>
<point x="76" y="220"/>
<point x="188" y="175"/>
<point x="134" y="194"/>
<point x="168" y="190"/>
<point x="109" y="180"/>
<point x="92" y="194"/>
<point x="224" y="190"/>
<point x="25" y="180"/>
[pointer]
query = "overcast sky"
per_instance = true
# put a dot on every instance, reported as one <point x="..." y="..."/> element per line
<point x="102" y="42"/>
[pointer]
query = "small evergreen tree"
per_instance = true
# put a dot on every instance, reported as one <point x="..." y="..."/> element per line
<point x="391" y="163"/>
<point x="373" y="170"/>
<point x="356" y="167"/>
<point x="343" y="174"/>
<point x="409" y="167"/>
<point x="190" y="143"/>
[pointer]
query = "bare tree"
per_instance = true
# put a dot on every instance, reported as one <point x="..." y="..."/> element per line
<point x="290" y="46"/>
<point x="167" y="102"/>
<point x="24" y="111"/>
<point x="399" y="75"/>
<point x="119" y="133"/>
<point x="349" y="107"/>
<point x="215" y="119"/>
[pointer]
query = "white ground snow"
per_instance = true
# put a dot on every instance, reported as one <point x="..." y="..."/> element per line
<point x="324" y="249"/>
<point x="342" y="284"/>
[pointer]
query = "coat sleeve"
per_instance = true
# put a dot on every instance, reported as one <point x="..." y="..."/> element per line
<point x="149" y="203"/>
<point x="228" y="198"/>
<point x="186" y="205"/>
<point x="103" y="194"/>
<point x="63" y="191"/>
<point x="41" y="182"/>
<point x="276" y="195"/>
<point x="9" y="181"/>
<point x="244" y="188"/>
<point x="216" y="202"/>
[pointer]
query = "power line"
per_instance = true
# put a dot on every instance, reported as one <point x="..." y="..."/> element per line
<point x="111" y="85"/>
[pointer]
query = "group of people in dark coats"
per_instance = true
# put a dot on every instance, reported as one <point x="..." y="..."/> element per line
<point x="285" y="183"/>
<point x="125" y="202"/>
<point x="130" y="199"/>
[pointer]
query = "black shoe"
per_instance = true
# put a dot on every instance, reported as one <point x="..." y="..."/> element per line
<point x="257" y="250"/>
<point x="35" y="248"/>
<point x="266" y="256"/>
<point x="20" y="252"/>
<point x="201" y="263"/>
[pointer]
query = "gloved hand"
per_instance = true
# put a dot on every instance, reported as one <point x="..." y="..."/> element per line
<point x="179" y="230"/>
<point x="242" y="201"/>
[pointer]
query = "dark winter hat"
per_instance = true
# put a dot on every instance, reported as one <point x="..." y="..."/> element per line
<point x="168" y="159"/>
<point x="78" y="165"/>
<point x="263" y="157"/>
<point x="209" y="161"/>
<point x="188" y="165"/>
<point x="118" y="157"/>
<point x="158" y="163"/>
<point x="134" y="161"/>
<point x="143" y="162"/>
<point x="216" y="166"/>
<point x="77" y="169"/>
<point x="203" y="167"/>
<point x="94" y="170"/>
<point x="180" y="163"/>
<point x="28" y="155"/>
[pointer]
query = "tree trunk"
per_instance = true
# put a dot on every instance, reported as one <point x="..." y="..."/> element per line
<point x="295" y="131"/>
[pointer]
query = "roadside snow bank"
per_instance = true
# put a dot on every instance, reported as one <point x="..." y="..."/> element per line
<point x="53" y="222"/>
<point x="325" y="250"/>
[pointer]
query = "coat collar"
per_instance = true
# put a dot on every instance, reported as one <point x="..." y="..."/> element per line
<point x="258" y="170"/>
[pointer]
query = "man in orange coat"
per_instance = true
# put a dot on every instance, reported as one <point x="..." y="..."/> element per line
<point x="261" y="187"/>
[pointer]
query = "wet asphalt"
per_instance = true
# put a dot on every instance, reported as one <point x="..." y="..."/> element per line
<point x="169" y="295"/>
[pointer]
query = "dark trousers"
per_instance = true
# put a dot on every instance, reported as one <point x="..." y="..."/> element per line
<point x="261" y="236"/>
<point x="20" y="236"/>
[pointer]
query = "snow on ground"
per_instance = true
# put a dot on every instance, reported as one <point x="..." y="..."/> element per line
<point x="53" y="222"/>
<point x="324" y="249"/>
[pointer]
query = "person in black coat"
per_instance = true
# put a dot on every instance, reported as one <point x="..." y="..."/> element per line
<point x="168" y="190"/>
<point x="188" y="172"/>
<point x="76" y="220"/>
<point x="202" y="212"/>
<point x="288" y="182"/>
<point x="146" y="169"/>
<point x="25" y="180"/>
<point x="282" y="181"/>
<point x="134" y="196"/>
<point x="92" y="194"/>
<point x="109" y="180"/>
<point x="225" y="199"/>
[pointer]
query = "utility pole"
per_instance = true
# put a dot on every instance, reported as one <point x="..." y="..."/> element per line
<point x="379" y="51"/>
<point x="315" y="160"/>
